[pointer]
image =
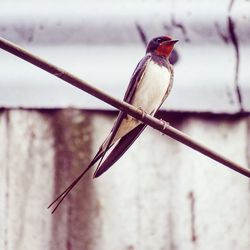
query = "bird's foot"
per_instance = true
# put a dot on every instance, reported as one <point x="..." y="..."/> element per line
<point x="164" y="125"/>
<point x="143" y="113"/>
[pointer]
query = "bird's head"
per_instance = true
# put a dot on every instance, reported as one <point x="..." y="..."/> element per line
<point x="161" y="46"/>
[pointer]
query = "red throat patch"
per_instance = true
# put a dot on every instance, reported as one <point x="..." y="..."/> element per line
<point x="164" y="49"/>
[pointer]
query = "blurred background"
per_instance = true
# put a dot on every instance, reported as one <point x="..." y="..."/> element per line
<point x="160" y="195"/>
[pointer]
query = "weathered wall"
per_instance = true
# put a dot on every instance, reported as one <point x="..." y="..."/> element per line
<point x="213" y="36"/>
<point x="160" y="195"/>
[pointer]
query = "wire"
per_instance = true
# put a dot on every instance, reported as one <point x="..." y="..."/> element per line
<point x="123" y="106"/>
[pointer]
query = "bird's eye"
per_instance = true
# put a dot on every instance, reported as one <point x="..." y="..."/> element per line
<point x="158" y="40"/>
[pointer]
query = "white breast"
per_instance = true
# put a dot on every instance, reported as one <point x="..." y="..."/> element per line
<point x="152" y="87"/>
<point x="148" y="96"/>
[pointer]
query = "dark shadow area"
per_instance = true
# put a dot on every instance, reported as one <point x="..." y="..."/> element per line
<point x="181" y="116"/>
<point x="73" y="221"/>
<point x="177" y="118"/>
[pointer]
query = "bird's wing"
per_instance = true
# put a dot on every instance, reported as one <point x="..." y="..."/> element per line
<point x="122" y="146"/>
<point x="133" y="84"/>
<point x="108" y="143"/>
<point x="135" y="79"/>
<point x="171" y="70"/>
<point x="122" y="125"/>
<point x="62" y="196"/>
<point x="126" y="141"/>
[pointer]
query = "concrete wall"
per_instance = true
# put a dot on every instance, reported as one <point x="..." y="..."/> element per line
<point x="160" y="195"/>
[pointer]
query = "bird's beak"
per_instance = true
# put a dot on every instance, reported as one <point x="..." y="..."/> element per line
<point x="170" y="42"/>
<point x="174" y="41"/>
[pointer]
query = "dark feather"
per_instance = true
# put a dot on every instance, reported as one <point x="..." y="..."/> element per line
<point x="62" y="196"/>
<point x="126" y="141"/>
<point x="135" y="79"/>
<point x="133" y="84"/>
<point x="122" y="146"/>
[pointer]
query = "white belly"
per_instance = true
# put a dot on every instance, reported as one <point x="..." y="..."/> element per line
<point x="152" y="88"/>
<point x="149" y="94"/>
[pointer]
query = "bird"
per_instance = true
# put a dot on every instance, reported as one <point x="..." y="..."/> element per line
<point x="150" y="85"/>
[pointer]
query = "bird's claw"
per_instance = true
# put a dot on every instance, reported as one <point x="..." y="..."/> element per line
<point x="164" y="125"/>
<point x="143" y="113"/>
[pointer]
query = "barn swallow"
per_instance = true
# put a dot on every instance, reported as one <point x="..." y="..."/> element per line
<point x="149" y="86"/>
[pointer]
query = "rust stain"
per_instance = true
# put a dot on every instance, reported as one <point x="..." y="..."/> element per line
<point x="130" y="247"/>
<point x="26" y="33"/>
<point x="172" y="245"/>
<point x="181" y="27"/>
<point x="248" y="145"/>
<point x="235" y="41"/>
<point x="72" y="131"/>
<point x="142" y="34"/>
<point x="232" y="37"/>
<point x="223" y="36"/>
<point x="6" y="116"/>
<point x="230" y="5"/>
<point x="168" y="28"/>
<point x="192" y="211"/>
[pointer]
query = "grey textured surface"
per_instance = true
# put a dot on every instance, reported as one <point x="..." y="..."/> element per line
<point x="102" y="42"/>
<point x="160" y="195"/>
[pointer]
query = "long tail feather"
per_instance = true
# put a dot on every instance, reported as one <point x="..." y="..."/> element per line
<point x="121" y="147"/>
<point x="62" y="196"/>
<point x="110" y="139"/>
<point x="100" y="155"/>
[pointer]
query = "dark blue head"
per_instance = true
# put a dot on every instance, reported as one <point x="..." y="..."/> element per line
<point x="161" y="46"/>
